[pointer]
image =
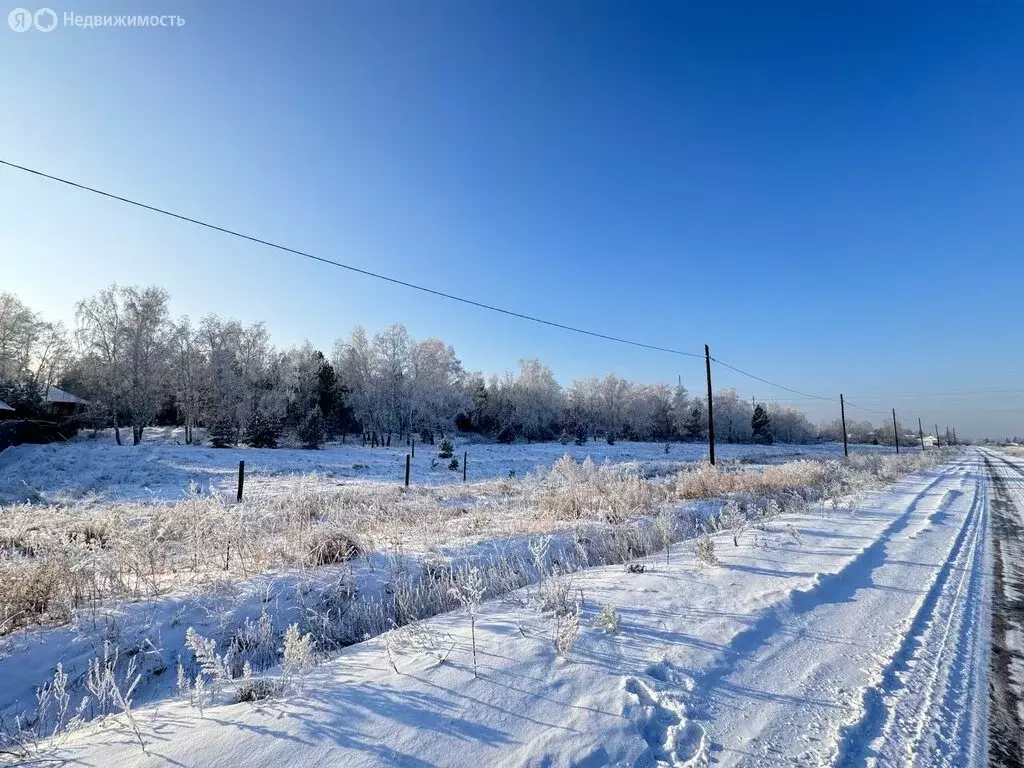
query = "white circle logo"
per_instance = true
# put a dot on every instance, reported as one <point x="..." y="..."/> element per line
<point x="20" y="20"/>
<point x="45" y="19"/>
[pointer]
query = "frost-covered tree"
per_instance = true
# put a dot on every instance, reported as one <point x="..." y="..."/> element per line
<point x="537" y="400"/>
<point x="101" y="341"/>
<point x="435" y="389"/>
<point x="188" y="368"/>
<point x="146" y="329"/>
<point x="732" y="417"/>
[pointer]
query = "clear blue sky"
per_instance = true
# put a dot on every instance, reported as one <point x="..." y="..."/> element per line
<point x="827" y="193"/>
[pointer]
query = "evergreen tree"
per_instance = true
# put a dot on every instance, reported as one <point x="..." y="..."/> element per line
<point x="696" y="423"/>
<point x="222" y="432"/>
<point x="313" y="429"/>
<point x="761" y="424"/>
<point x="262" y="431"/>
<point x="326" y="390"/>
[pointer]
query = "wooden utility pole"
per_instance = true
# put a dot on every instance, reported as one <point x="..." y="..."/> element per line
<point x="241" y="478"/>
<point x="920" y="429"/>
<point x="711" y="407"/>
<point x="842" y="413"/>
<point x="895" y="431"/>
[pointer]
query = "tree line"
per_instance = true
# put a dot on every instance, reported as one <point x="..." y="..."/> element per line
<point x="137" y="366"/>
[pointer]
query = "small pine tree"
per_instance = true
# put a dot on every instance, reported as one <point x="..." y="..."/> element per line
<point x="222" y="432"/>
<point x="581" y="435"/>
<point x="696" y="423"/>
<point x="313" y="429"/>
<point x="262" y="431"/>
<point x="447" y="450"/>
<point x="761" y="424"/>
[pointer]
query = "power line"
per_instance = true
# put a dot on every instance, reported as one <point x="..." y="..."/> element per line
<point x="349" y="267"/>
<point x="867" y="410"/>
<point x="964" y="392"/>
<point x="770" y="383"/>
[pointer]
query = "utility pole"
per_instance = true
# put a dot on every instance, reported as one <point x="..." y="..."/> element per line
<point x="920" y="429"/>
<point x="711" y="407"/>
<point x="895" y="431"/>
<point x="842" y="412"/>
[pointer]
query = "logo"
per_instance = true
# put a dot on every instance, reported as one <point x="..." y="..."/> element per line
<point x="20" y="20"/>
<point x="45" y="19"/>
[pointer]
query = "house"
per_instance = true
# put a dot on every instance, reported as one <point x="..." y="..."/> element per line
<point x="57" y="402"/>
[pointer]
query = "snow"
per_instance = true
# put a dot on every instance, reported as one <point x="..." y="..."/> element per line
<point x="162" y="467"/>
<point x="853" y="637"/>
<point x="58" y="395"/>
<point x="1007" y="715"/>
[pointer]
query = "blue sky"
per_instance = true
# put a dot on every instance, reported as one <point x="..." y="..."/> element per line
<point x="827" y="193"/>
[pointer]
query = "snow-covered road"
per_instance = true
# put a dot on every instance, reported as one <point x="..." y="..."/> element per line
<point x="1006" y="731"/>
<point x="883" y="662"/>
<point x="854" y="637"/>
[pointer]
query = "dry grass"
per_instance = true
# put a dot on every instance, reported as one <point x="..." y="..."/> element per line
<point x="57" y="560"/>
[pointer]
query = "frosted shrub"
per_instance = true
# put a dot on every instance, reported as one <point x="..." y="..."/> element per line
<point x="663" y="524"/>
<point x="567" y="629"/>
<point x="469" y="590"/>
<point x="539" y="554"/>
<point x="704" y="549"/>
<point x="608" y="619"/>
<point x="216" y="668"/>
<point x="297" y="657"/>
<point x="733" y="519"/>
<point x="255" y="643"/>
<point x="553" y="596"/>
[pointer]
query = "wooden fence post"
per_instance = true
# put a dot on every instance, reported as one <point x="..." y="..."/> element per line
<point x="241" y="478"/>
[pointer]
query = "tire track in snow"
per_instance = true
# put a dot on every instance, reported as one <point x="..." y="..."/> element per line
<point x="831" y="588"/>
<point x="1006" y="729"/>
<point x="882" y="713"/>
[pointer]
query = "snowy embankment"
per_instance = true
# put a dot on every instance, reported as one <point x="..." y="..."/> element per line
<point x="838" y="636"/>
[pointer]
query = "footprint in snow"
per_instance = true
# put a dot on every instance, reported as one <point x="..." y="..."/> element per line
<point x="672" y="739"/>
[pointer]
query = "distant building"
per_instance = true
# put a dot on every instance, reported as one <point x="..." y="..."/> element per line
<point x="64" y="404"/>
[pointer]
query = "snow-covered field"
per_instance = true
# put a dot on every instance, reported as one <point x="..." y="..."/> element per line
<point x="854" y="632"/>
<point x="162" y="468"/>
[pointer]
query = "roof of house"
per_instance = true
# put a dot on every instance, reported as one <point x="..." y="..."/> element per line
<point x="58" y="395"/>
<point x="4" y="406"/>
